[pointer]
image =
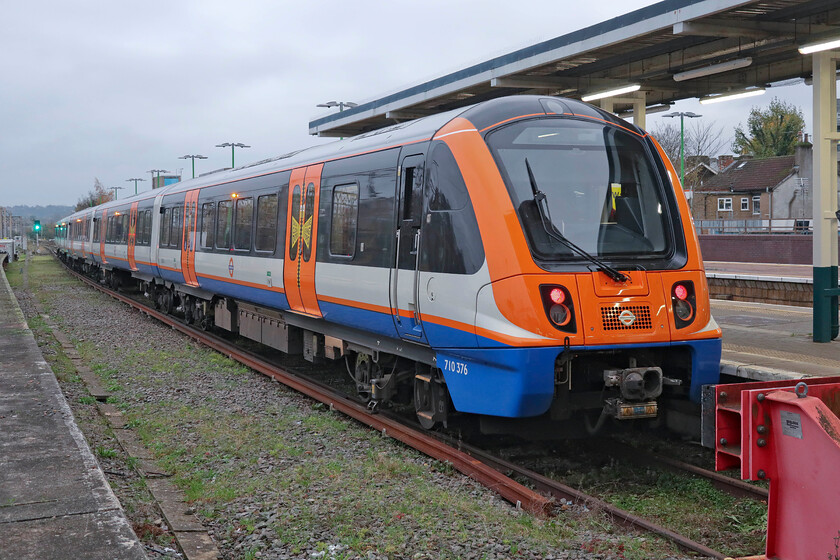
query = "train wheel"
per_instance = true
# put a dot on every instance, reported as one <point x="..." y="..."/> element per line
<point x="430" y="399"/>
<point x="189" y="309"/>
<point x="365" y="370"/>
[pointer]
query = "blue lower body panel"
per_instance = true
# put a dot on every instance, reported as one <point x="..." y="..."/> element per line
<point x="519" y="382"/>
<point x="511" y="382"/>
<point x="705" y="364"/>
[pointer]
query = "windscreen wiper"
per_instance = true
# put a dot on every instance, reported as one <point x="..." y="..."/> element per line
<point x="545" y="218"/>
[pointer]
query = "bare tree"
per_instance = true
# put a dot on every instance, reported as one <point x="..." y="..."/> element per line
<point x="668" y="136"/>
<point x="703" y="138"/>
<point x="96" y="196"/>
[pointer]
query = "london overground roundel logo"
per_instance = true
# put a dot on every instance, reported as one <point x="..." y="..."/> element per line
<point x="627" y="318"/>
<point x="230" y="267"/>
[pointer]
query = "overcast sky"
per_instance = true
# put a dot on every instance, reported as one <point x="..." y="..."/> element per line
<point x="110" y="89"/>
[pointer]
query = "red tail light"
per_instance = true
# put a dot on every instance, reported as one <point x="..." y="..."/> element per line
<point x="557" y="302"/>
<point x="684" y="303"/>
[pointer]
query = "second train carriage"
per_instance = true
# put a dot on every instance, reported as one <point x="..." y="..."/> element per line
<point x="523" y="256"/>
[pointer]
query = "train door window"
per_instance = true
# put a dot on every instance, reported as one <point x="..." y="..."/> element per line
<point x="345" y="214"/>
<point x="266" y="239"/>
<point x="243" y="221"/>
<point x="294" y="238"/>
<point x="208" y="224"/>
<point x="175" y="233"/>
<point x="308" y="221"/>
<point x="164" y="228"/>
<point x="96" y="230"/>
<point x="225" y="217"/>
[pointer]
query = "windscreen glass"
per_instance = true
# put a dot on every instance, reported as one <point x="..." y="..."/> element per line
<point x="602" y="191"/>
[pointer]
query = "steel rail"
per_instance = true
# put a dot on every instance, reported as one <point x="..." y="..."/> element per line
<point x="731" y="486"/>
<point x="507" y="488"/>
<point x="559" y="491"/>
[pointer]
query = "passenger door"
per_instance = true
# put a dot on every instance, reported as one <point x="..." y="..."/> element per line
<point x="405" y="272"/>
<point x="132" y="235"/>
<point x="188" y="242"/>
<point x="302" y="239"/>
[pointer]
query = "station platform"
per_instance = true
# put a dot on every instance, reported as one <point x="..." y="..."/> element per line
<point x="54" y="500"/>
<point x="768" y="341"/>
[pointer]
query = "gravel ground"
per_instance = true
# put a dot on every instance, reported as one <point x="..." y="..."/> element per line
<point x="274" y="475"/>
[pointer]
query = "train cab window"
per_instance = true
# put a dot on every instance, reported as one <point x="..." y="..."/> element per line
<point x="243" y="221"/>
<point x="208" y="224"/>
<point x="164" y="228"/>
<point x="223" y="225"/>
<point x="345" y="215"/>
<point x="266" y="239"/>
<point x="175" y="232"/>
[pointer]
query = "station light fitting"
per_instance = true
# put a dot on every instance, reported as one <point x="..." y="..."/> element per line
<point x="611" y="92"/>
<point x="741" y="94"/>
<point x="649" y="110"/>
<point x="824" y="45"/>
<point x="713" y="69"/>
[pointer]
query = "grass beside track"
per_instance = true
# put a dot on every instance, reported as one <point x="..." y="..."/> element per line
<point x="272" y="466"/>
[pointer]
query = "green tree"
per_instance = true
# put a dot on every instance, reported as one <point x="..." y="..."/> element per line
<point x="773" y="131"/>
<point x="96" y="196"/>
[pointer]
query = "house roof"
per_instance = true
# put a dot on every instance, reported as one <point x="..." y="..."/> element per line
<point x="750" y="175"/>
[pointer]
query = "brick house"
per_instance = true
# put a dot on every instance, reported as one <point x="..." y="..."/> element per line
<point x="751" y="192"/>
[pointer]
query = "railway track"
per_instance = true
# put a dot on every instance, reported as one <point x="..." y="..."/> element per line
<point x="471" y="461"/>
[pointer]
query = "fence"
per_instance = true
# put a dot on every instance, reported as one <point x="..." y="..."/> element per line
<point x="714" y="227"/>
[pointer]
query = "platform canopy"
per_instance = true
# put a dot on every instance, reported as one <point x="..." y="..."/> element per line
<point x="675" y="49"/>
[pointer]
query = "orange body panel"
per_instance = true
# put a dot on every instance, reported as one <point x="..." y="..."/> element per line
<point x="190" y="220"/>
<point x="103" y="229"/>
<point x="307" y="267"/>
<point x="132" y="235"/>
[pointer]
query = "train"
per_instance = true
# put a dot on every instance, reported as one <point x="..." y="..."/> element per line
<point x="526" y="257"/>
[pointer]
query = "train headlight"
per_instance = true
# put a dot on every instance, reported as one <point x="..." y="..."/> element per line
<point x="559" y="315"/>
<point x="683" y="301"/>
<point x="557" y="302"/>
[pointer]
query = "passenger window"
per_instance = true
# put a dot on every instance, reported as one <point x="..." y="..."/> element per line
<point x="242" y="223"/>
<point x="208" y="224"/>
<point x="345" y="214"/>
<point x="124" y="238"/>
<point x="96" y="230"/>
<point x="175" y="233"/>
<point x="223" y="225"/>
<point x="164" y="228"/>
<point x="266" y="223"/>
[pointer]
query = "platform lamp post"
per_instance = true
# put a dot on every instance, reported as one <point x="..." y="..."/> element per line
<point x="195" y="157"/>
<point x="340" y="104"/>
<point x="682" y="115"/>
<point x="115" y="189"/>
<point x="232" y="146"/>
<point x="129" y="181"/>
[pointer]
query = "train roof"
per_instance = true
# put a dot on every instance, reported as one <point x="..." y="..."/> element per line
<point x="483" y="115"/>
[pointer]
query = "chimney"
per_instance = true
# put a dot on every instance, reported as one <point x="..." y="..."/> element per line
<point x="725" y="161"/>
<point x="802" y="156"/>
